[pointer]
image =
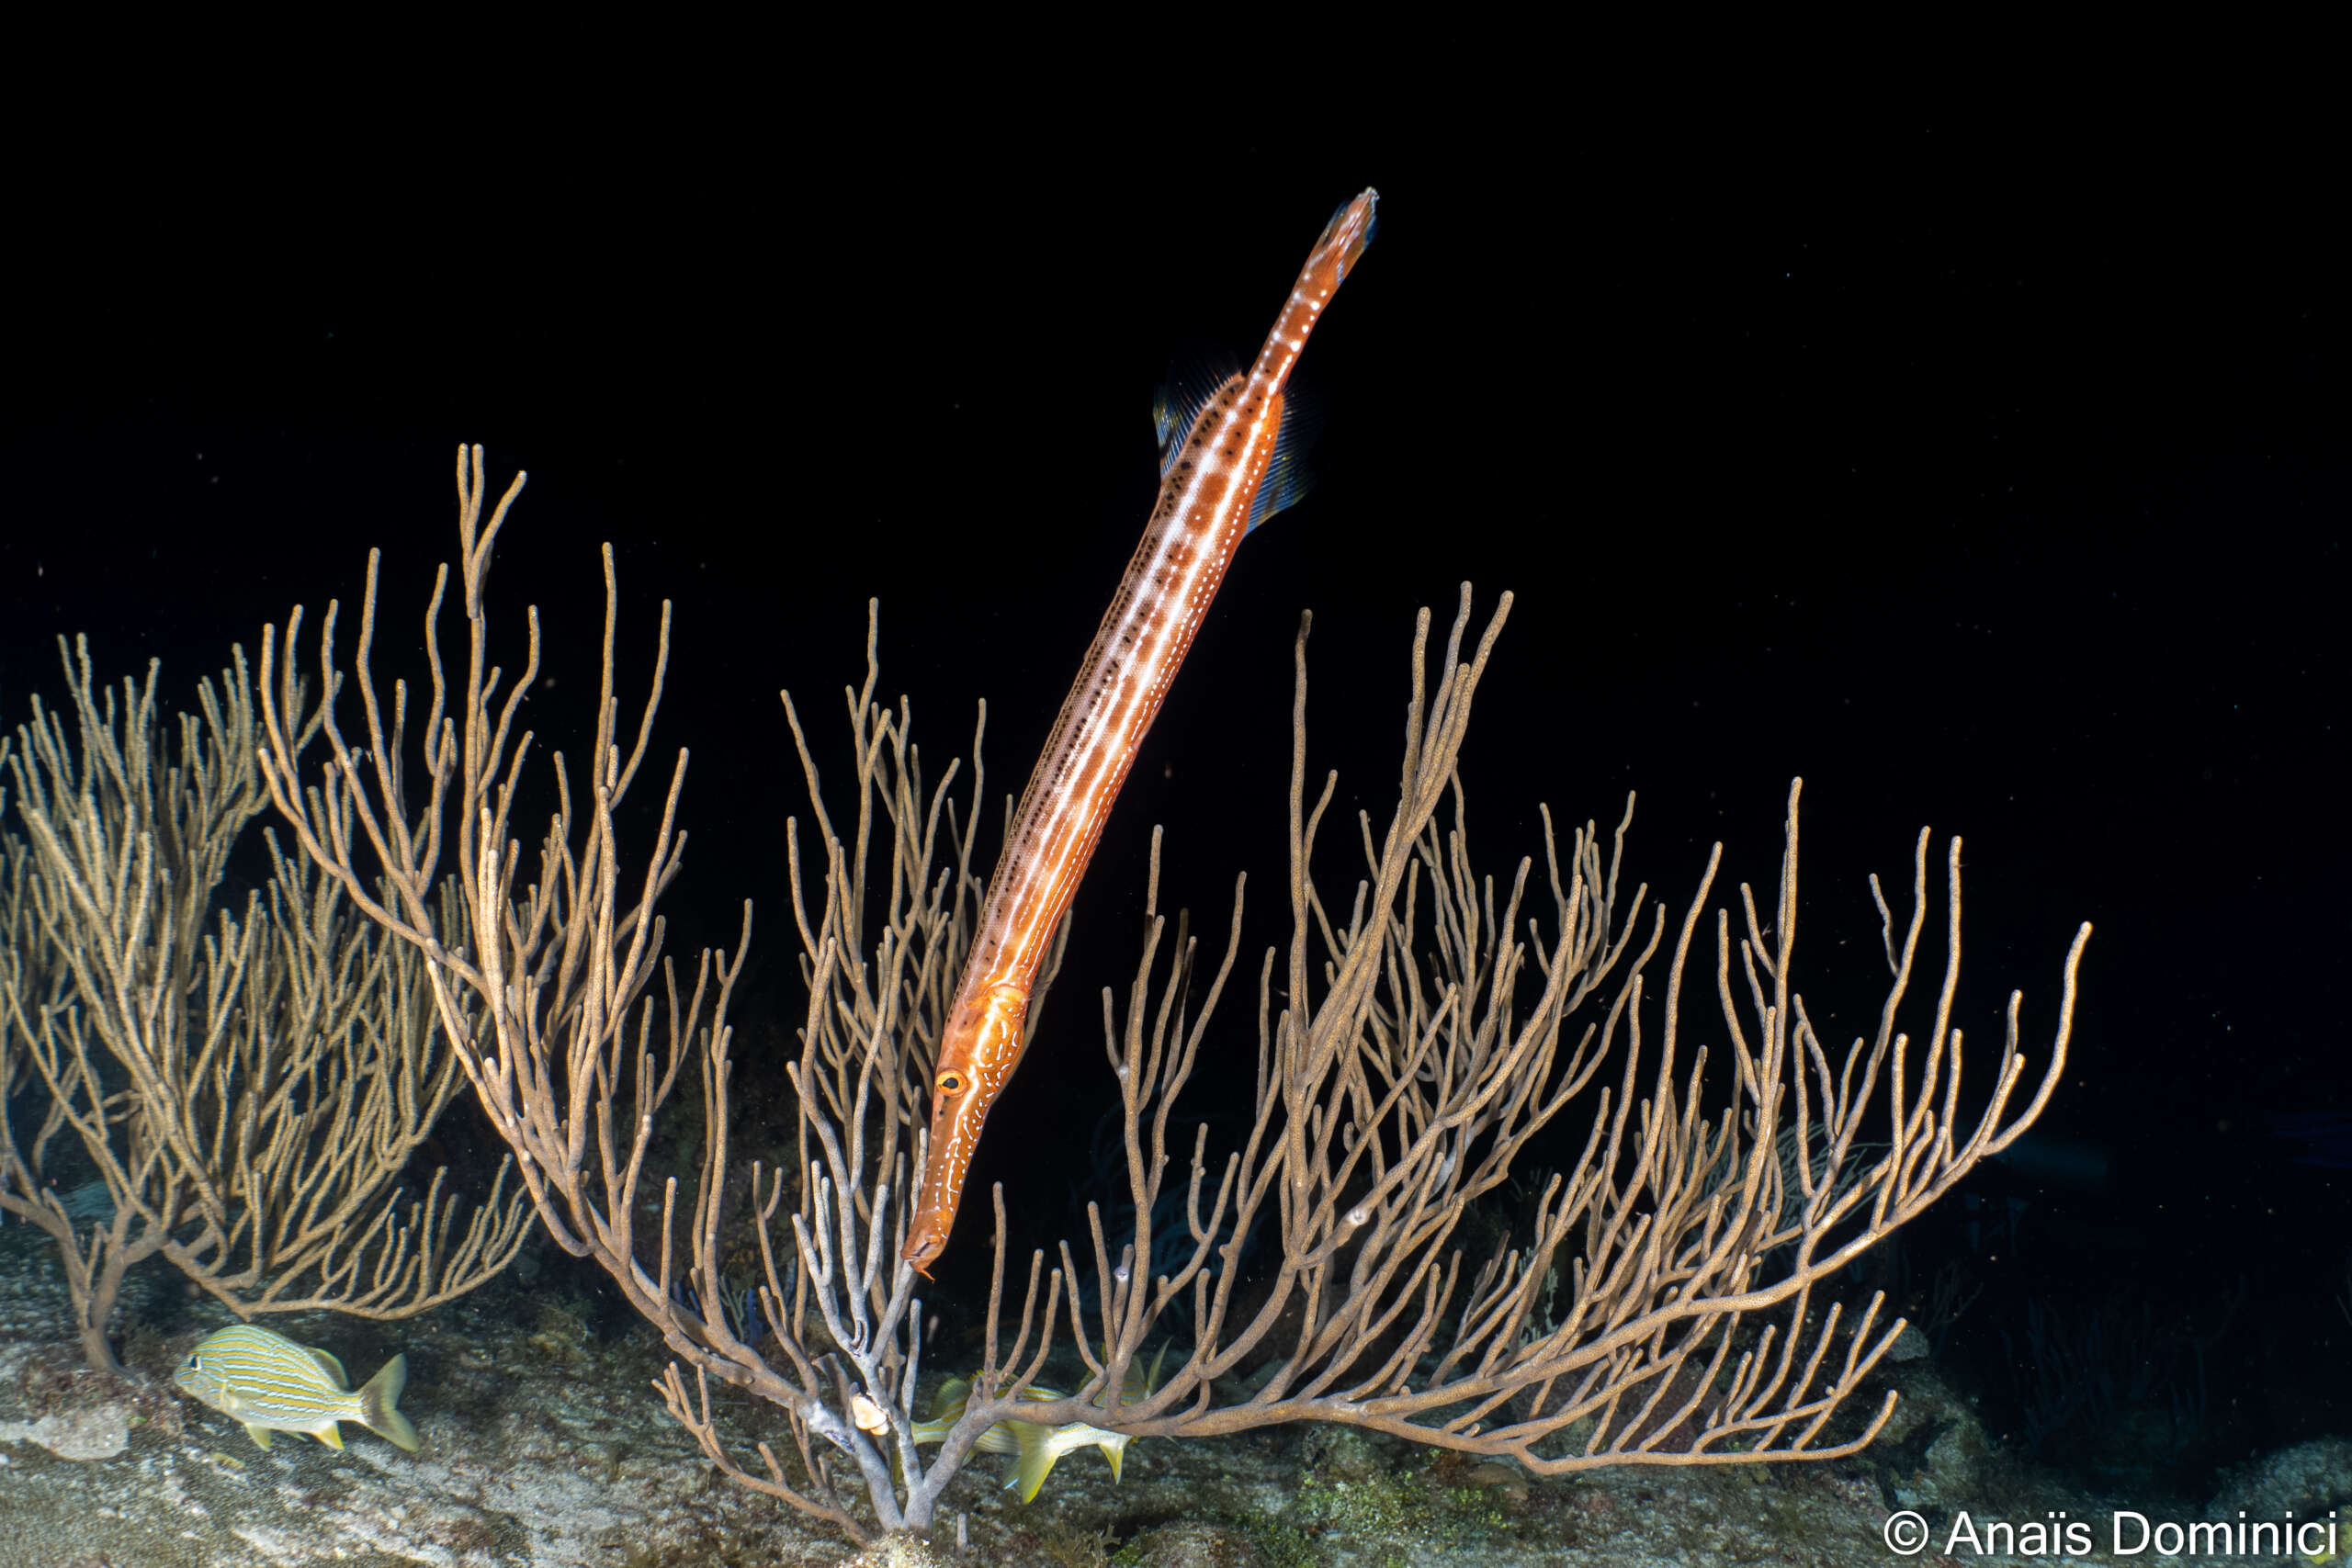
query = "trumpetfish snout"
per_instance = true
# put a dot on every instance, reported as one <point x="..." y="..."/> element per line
<point x="1227" y="463"/>
<point x="987" y="1032"/>
<point x="1345" y="239"/>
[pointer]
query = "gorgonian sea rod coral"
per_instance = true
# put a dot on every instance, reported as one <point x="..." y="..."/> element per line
<point x="1411" y="1038"/>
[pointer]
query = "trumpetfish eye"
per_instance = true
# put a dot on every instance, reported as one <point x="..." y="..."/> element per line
<point x="951" y="1083"/>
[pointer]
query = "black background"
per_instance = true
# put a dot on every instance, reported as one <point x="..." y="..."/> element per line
<point x="1989" y="479"/>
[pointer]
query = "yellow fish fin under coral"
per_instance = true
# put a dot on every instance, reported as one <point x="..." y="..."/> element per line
<point x="1114" y="1449"/>
<point x="1040" y="1448"/>
<point x="948" y="1408"/>
<point x="949" y="1402"/>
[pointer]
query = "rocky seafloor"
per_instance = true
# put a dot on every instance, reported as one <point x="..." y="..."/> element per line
<point x="545" y="1446"/>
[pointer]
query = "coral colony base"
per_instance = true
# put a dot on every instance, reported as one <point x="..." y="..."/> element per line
<point x="538" y="1447"/>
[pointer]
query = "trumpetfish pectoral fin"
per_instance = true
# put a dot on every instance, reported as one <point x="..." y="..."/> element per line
<point x="1287" y="478"/>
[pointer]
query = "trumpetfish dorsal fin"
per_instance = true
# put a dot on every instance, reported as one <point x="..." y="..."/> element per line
<point x="1196" y="373"/>
<point x="1202" y="381"/>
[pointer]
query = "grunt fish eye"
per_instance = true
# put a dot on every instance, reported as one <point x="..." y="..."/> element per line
<point x="949" y="1083"/>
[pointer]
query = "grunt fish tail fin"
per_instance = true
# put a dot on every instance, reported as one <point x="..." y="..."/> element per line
<point x="379" y="1403"/>
<point x="1039" y="1448"/>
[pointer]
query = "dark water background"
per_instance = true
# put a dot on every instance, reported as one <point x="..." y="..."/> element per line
<point x="1990" y="479"/>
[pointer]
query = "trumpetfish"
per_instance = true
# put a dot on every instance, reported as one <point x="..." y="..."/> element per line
<point x="1227" y="463"/>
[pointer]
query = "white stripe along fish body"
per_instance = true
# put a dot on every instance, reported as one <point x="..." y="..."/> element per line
<point x="1220" y="478"/>
<point x="261" y="1378"/>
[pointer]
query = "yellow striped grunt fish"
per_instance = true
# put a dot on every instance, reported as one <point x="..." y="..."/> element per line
<point x="1039" y="1447"/>
<point x="271" y="1384"/>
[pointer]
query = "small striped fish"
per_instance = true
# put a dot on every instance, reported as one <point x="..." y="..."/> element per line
<point x="272" y="1384"/>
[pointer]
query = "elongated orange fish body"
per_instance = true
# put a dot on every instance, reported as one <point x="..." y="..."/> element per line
<point x="1214" y="488"/>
